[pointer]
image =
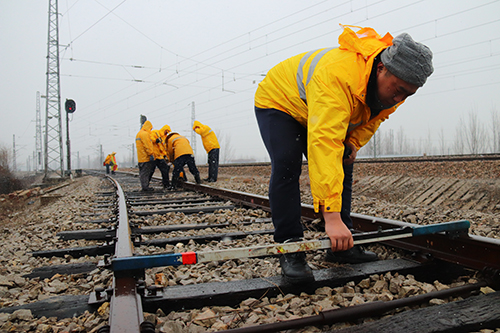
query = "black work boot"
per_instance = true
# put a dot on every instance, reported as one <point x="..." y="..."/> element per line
<point x="355" y="255"/>
<point x="295" y="269"/>
<point x="197" y="179"/>
<point x="173" y="184"/>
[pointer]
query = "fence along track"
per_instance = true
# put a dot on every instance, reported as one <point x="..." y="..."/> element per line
<point x="206" y="294"/>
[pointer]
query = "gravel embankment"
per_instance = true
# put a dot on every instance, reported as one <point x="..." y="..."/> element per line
<point x="31" y="227"/>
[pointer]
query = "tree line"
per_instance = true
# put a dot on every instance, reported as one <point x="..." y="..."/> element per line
<point x="471" y="137"/>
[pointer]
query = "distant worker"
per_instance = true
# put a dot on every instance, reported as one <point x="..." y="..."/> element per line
<point x="145" y="154"/>
<point x="212" y="147"/>
<point x="326" y="105"/>
<point x="110" y="162"/>
<point x="160" y="154"/>
<point x="180" y="152"/>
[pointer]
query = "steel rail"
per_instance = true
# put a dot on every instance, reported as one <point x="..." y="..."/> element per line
<point x="125" y="306"/>
<point x="392" y="159"/>
<point x="467" y="250"/>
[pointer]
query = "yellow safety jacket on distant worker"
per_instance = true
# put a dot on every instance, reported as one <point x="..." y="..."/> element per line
<point x="143" y="142"/>
<point x="111" y="161"/>
<point x="207" y="136"/>
<point x="159" y="149"/>
<point x="108" y="160"/>
<point x="325" y="91"/>
<point x="177" y="145"/>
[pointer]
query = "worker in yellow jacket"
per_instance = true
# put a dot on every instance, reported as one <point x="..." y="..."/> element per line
<point x="180" y="152"/>
<point x="326" y="104"/>
<point x="145" y="154"/>
<point x="110" y="162"/>
<point x="160" y="155"/>
<point x="212" y="147"/>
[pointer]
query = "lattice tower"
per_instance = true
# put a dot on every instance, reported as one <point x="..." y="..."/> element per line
<point x="53" y="125"/>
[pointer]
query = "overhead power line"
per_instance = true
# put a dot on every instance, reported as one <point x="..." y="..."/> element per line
<point x="233" y="56"/>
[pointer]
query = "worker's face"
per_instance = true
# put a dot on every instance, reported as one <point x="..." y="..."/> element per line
<point x="391" y="89"/>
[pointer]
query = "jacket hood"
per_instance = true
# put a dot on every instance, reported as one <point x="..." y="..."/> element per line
<point x="196" y="124"/>
<point x="171" y="133"/>
<point x="364" y="41"/>
<point x="164" y="129"/>
<point x="147" y="126"/>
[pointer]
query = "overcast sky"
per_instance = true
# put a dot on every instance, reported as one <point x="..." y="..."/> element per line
<point x="124" y="58"/>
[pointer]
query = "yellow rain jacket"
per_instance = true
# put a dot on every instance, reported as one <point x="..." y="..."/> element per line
<point x="325" y="91"/>
<point x="143" y="142"/>
<point x="177" y="145"/>
<point x="163" y="134"/>
<point x="207" y="136"/>
<point x="111" y="160"/>
<point x="108" y="160"/>
<point x="159" y="149"/>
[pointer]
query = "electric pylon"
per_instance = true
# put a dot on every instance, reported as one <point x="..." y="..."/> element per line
<point x="53" y="158"/>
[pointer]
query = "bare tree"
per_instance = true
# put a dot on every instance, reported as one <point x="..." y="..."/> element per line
<point x="475" y="134"/>
<point x="403" y="145"/>
<point x="226" y="149"/>
<point x="388" y="148"/>
<point x="8" y="182"/>
<point x="495" y="131"/>
<point x="427" y="144"/>
<point x="459" y="142"/>
<point x="373" y="147"/>
<point x="4" y="157"/>
<point x="441" y="142"/>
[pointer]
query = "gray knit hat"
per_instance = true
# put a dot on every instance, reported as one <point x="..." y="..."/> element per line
<point x="408" y="60"/>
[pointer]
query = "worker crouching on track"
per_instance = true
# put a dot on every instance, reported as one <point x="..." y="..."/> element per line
<point x="160" y="155"/>
<point x="212" y="147"/>
<point x="325" y="105"/>
<point x="110" y="162"/>
<point x="145" y="155"/>
<point x="180" y="152"/>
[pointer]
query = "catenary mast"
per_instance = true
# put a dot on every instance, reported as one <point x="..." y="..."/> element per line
<point x="37" y="161"/>
<point x="53" y="158"/>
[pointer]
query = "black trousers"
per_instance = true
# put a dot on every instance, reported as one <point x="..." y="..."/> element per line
<point x="213" y="164"/>
<point x="179" y="164"/>
<point x="162" y="165"/>
<point x="286" y="142"/>
<point x="145" y="173"/>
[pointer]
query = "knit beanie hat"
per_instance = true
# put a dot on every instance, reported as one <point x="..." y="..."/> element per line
<point x="408" y="60"/>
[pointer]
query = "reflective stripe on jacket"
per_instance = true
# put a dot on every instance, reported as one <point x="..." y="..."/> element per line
<point x="325" y="91"/>
<point x="177" y="145"/>
<point x="208" y="136"/>
<point x="143" y="143"/>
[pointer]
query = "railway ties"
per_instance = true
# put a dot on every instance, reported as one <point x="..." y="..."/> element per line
<point x="162" y="288"/>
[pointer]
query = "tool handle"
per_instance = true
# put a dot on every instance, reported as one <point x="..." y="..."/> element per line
<point x="440" y="227"/>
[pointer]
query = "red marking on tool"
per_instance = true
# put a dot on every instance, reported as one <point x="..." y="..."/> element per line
<point x="189" y="258"/>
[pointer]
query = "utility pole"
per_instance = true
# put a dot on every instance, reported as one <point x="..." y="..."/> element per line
<point x="14" y="166"/>
<point x="53" y="158"/>
<point x="70" y="106"/>
<point x="133" y="155"/>
<point x="37" y="159"/>
<point x="101" y="154"/>
<point x="193" y="134"/>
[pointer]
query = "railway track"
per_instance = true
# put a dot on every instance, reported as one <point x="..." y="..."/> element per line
<point x="247" y="294"/>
